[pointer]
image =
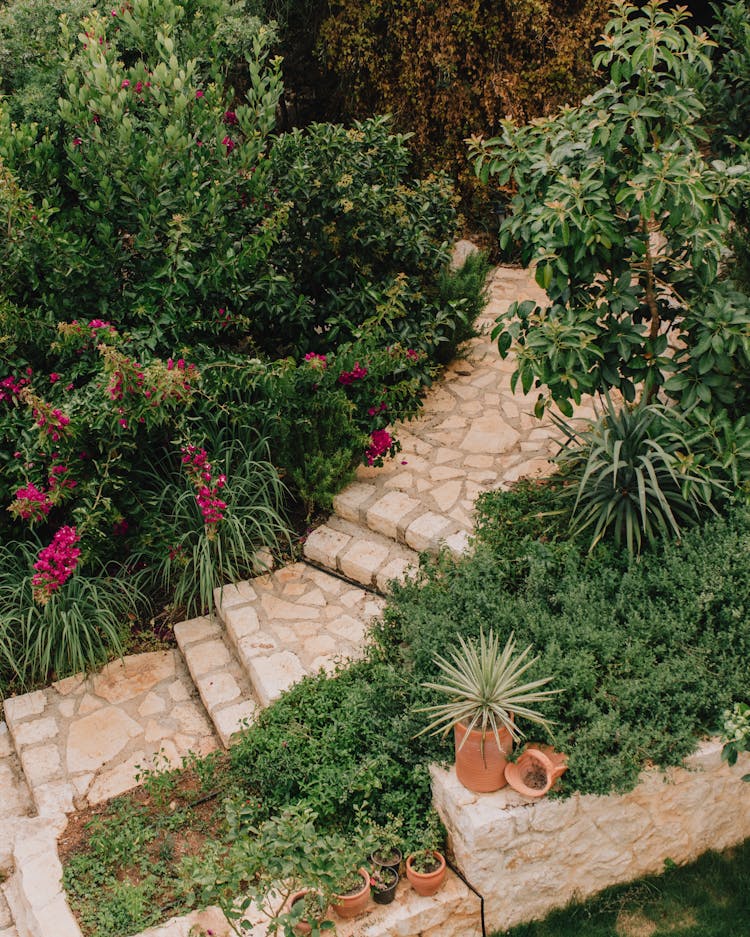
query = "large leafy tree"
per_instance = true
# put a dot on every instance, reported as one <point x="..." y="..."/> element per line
<point x="626" y="218"/>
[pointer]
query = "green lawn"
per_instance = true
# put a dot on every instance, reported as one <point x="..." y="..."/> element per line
<point x="710" y="898"/>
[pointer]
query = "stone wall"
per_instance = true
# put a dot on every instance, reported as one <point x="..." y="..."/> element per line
<point x="528" y="857"/>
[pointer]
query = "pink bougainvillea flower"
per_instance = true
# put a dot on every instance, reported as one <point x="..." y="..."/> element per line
<point x="230" y="118"/>
<point x="125" y="83"/>
<point x="229" y="144"/>
<point x="77" y="141"/>
<point x="381" y="442"/>
<point x="199" y="94"/>
<point x="56" y="564"/>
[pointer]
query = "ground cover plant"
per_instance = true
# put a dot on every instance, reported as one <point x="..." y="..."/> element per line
<point x="708" y="898"/>
<point x="204" y="326"/>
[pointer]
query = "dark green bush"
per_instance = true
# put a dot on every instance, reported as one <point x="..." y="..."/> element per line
<point x="450" y="70"/>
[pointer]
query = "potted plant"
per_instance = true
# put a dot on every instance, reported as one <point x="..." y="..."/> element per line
<point x="353" y="894"/>
<point x="283" y="870"/>
<point x="307" y="911"/>
<point x="387" y="852"/>
<point x="535" y="771"/>
<point x="486" y="693"/>
<point x="383" y="882"/>
<point x="425" y="867"/>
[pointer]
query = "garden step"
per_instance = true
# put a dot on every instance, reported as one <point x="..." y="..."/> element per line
<point x="85" y="739"/>
<point x="221" y="681"/>
<point x="291" y="622"/>
<point x="15" y="803"/>
<point x="357" y="553"/>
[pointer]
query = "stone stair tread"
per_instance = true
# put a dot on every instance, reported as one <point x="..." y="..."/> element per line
<point x="289" y="623"/>
<point x="221" y="681"/>
<point x="358" y="553"/>
<point x="85" y="739"/>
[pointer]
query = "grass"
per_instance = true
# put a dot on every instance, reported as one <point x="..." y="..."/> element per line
<point x="709" y="898"/>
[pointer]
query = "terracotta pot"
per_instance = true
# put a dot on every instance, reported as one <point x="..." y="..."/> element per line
<point x="536" y="770"/>
<point x="351" y="905"/>
<point x="480" y="766"/>
<point x="426" y="883"/>
<point x="303" y="927"/>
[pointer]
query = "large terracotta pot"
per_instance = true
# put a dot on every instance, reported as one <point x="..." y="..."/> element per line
<point x="536" y="770"/>
<point x="426" y="883"/>
<point x="351" y="905"/>
<point x="480" y="766"/>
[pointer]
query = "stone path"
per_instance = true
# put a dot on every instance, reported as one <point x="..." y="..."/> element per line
<point x="83" y="740"/>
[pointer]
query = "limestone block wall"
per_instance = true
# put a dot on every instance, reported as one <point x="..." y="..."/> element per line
<point x="528" y="857"/>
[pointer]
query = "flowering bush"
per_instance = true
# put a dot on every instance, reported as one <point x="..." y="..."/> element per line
<point x="174" y="280"/>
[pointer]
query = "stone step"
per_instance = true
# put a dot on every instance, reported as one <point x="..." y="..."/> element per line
<point x="357" y="553"/>
<point x="289" y="623"/>
<point x="86" y="739"/>
<point x="16" y="805"/>
<point x="221" y="681"/>
<point x="392" y="514"/>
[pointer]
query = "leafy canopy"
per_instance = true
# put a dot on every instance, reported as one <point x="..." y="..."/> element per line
<point x="626" y="219"/>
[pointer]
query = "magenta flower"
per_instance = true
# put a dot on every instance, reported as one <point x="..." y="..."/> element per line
<point x="56" y="564"/>
<point x="357" y="373"/>
<point x="381" y="442"/>
<point x="229" y="144"/>
<point x="77" y="141"/>
<point x="230" y="119"/>
<point x="199" y="94"/>
<point x="316" y="361"/>
<point x="125" y="83"/>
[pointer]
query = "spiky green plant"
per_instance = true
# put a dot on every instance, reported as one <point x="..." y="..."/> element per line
<point x="635" y="474"/>
<point x="486" y="690"/>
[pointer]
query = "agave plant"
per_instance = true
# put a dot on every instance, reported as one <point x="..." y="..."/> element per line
<point x="636" y="472"/>
<point x="486" y="689"/>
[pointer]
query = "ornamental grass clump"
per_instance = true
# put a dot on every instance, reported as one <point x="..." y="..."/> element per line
<point x="486" y="690"/>
<point x="635" y="473"/>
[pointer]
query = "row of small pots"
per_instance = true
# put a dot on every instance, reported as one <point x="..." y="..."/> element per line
<point x="383" y="884"/>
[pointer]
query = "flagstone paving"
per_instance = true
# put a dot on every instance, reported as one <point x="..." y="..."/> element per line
<point x="83" y="740"/>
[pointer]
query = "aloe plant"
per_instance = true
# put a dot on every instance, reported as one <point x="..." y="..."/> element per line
<point x="486" y="689"/>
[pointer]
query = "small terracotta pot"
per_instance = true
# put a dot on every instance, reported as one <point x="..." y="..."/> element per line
<point x="426" y="883"/>
<point x="480" y="764"/>
<point x="351" y="905"/>
<point x="536" y="770"/>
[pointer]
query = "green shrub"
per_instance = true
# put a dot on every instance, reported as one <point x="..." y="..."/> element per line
<point x="628" y="236"/>
<point x="728" y="89"/>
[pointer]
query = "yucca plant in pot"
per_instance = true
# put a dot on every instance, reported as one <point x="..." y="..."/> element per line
<point x="486" y="693"/>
